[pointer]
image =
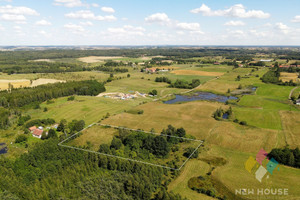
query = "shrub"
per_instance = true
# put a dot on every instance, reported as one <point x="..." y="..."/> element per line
<point x="21" y="138"/>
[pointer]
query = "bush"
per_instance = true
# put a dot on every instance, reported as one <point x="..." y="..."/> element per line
<point x="21" y="138"/>
<point x="244" y="123"/>
<point x="71" y="98"/>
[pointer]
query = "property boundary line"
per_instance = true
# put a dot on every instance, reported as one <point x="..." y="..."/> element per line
<point x="119" y="157"/>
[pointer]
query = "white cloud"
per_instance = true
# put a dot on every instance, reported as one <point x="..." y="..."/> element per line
<point x="69" y="3"/>
<point x="1" y="28"/>
<point x="164" y="20"/>
<point x="234" y="23"/>
<point x="127" y="30"/>
<point x="44" y="33"/>
<point x="87" y="23"/>
<point x="21" y="10"/>
<point x="74" y="28"/>
<point x="259" y="34"/>
<point x="108" y="9"/>
<point x="95" y="5"/>
<point x="89" y="15"/>
<point x="237" y="10"/>
<point x="296" y="19"/>
<point x="14" y="18"/>
<point x="193" y="27"/>
<point x="158" y="18"/>
<point x="16" y="14"/>
<point x="282" y="28"/>
<point x="43" y="23"/>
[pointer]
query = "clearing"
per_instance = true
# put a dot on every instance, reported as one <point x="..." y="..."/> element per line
<point x="95" y="59"/>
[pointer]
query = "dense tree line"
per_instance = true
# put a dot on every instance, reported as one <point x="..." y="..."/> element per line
<point x="24" y="67"/>
<point x="179" y="83"/>
<point x="163" y="79"/>
<point x="110" y="69"/>
<point x="40" y="122"/>
<point x="272" y="76"/>
<point x="184" y="84"/>
<point x="23" y="96"/>
<point x="286" y="156"/>
<point x="53" y="172"/>
<point x="4" y="118"/>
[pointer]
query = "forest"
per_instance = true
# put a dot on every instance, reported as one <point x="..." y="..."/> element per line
<point x="53" y="172"/>
<point x="286" y="156"/>
<point x="24" y="96"/>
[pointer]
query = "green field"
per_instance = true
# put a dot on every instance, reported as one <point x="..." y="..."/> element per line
<point x="89" y="109"/>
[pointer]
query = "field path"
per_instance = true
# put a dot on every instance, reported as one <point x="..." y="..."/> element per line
<point x="291" y="93"/>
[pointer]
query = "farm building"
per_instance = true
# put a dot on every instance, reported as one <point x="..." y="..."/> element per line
<point x="36" y="132"/>
<point x="31" y="129"/>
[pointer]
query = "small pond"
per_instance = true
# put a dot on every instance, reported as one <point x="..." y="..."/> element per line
<point x="3" y="148"/>
<point x="200" y="96"/>
<point x="225" y="116"/>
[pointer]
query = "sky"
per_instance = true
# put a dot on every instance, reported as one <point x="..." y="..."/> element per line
<point x="149" y="22"/>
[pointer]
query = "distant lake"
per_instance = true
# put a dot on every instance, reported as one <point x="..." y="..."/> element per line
<point x="200" y="96"/>
<point x="3" y="148"/>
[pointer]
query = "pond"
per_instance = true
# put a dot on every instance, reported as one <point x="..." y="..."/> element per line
<point x="200" y="96"/>
<point x="3" y="148"/>
<point x="225" y="116"/>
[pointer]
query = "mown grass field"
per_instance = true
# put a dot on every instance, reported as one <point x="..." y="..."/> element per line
<point x="234" y="176"/>
<point x="89" y="109"/>
<point x="95" y="135"/>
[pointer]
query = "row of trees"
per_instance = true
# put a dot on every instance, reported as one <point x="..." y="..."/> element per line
<point x="179" y="83"/>
<point x="23" y="96"/>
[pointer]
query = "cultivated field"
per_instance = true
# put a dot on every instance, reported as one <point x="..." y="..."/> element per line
<point x="4" y="84"/>
<point x="286" y="77"/>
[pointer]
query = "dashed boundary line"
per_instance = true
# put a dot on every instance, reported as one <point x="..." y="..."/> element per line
<point x="119" y="157"/>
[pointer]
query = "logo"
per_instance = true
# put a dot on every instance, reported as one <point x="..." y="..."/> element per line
<point x="252" y="164"/>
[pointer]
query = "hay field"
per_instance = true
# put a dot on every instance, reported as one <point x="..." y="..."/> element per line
<point x="179" y="185"/>
<point x="200" y="73"/>
<point x="234" y="176"/>
<point x="291" y="127"/>
<point x="194" y="117"/>
<point x="15" y="83"/>
<point x="95" y="59"/>
<point x="286" y="77"/>
<point x="96" y="135"/>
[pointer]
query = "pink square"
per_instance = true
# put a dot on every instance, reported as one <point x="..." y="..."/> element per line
<point x="261" y="155"/>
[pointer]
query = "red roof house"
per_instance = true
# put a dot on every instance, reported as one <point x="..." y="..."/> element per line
<point x="32" y="128"/>
<point x="37" y="133"/>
